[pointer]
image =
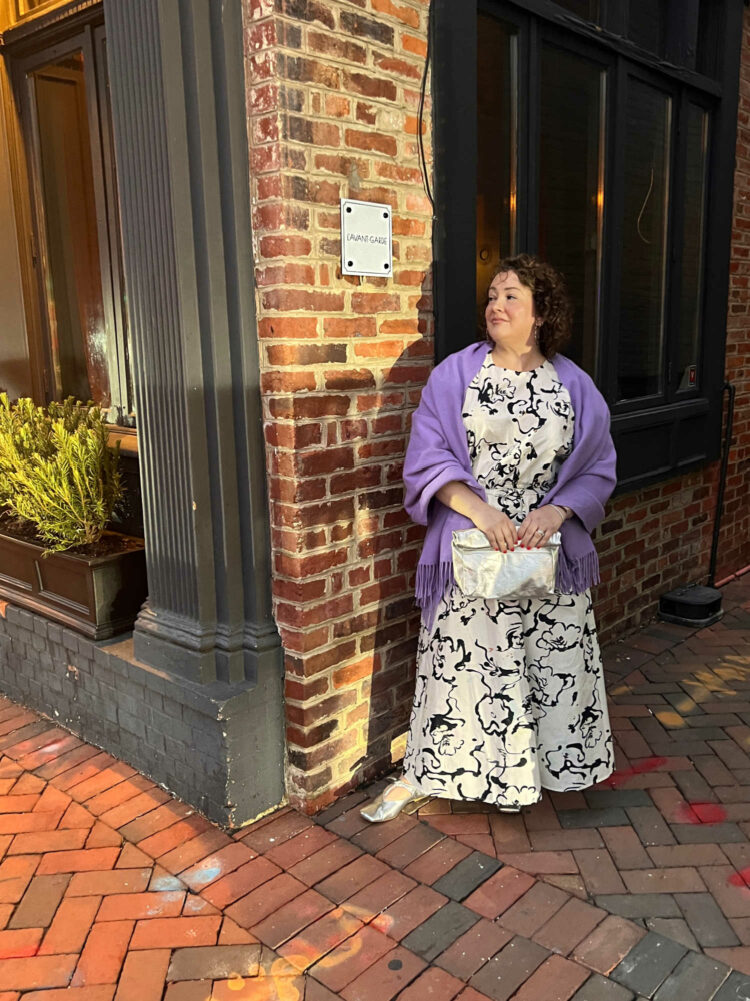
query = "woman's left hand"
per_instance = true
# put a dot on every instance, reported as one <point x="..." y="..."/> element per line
<point x="539" y="525"/>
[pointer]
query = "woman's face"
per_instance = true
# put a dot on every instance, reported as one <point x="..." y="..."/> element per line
<point x="510" y="313"/>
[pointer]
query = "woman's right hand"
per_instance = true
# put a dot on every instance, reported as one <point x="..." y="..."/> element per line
<point x="499" y="529"/>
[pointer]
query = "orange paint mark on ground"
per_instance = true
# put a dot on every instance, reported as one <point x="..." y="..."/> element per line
<point x="621" y="776"/>
<point x="701" y="813"/>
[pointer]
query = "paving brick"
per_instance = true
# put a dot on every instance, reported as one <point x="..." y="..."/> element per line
<point x="242" y="881"/>
<point x="188" y="990"/>
<point x="99" y="992"/>
<point x="214" y="962"/>
<point x="534" y="909"/>
<point x="274" y="988"/>
<point x="142" y="804"/>
<point x="512" y="966"/>
<point x="40" y="901"/>
<point x="85" y="860"/>
<point x="299" y="847"/>
<point x="19" y="942"/>
<point x="437" y="861"/>
<point x="690" y="834"/>
<point x="598" y="871"/>
<point x="557" y="979"/>
<point x="573" y="922"/>
<point x="195" y="849"/>
<point x="291" y="918"/>
<point x="217" y="864"/>
<point x="70" y="926"/>
<point x="584" y="837"/>
<point x="262" y="837"/>
<point x="690" y="855"/>
<point x="135" y="906"/>
<point x="473" y="949"/>
<point x="680" y="880"/>
<point x="342" y="884"/>
<point x="455" y="824"/>
<point x="175" y="834"/>
<point x="143" y="974"/>
<point x="376" y="836"/>
<point x="408" y="912"/>
<point x="385" y="978"/>
<point x="46" y="841"/>
<point x="674" y="928"/>
<point x="509" y="833"/>
<point x="376" y="896"/>
<point x="598" y="988"/>
<point x="15" y="875"/>
<point x="433" y="984"/>
<point x="648" y="964"/>
<point x="639" y="905"/>
<point x="103" y="954"/>
<point x="36" y="972"/>
<point x="608" y="817"/>
<point x="258" y="904"/>
<point x="733" y="900"/>
<point x="409" y="846"/>
<point x="608" y="944"/>
<point x="86" y="884"/>
<point x="350" y="959"/>
<point x="330" y="859"/>
<point x="603" y="799"/>
<point x="499" y="892"/>
<point x="467" y="875"/>
<point x="542" y="816"/>
<point x="626" y="850"/>
<point x="440" y="930"/>
<point x="173" y="933"/>
<point x="542" y="863"/>
<point x="695" y="978"/>
<point x="706" y="921"/>
<point x="152" y="822"/>
<point x="650" y="826"/>
<point x="735" y="988"/>
<point x="319" y="938"/>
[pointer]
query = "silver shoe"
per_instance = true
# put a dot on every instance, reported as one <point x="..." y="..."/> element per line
<point x="381" y="809"/>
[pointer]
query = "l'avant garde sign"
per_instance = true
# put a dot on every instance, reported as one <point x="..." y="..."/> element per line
<point x="366" y="246"/>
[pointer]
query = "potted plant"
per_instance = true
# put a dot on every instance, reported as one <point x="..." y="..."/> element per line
<point x="59" y="488"/>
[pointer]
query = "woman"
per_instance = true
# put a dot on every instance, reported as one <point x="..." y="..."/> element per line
<point x="512" y="437"/>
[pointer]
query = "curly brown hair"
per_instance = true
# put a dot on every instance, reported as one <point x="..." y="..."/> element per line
<point x="551" y="301"/>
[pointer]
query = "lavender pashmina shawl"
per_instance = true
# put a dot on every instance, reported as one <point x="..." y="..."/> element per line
<point x="438" y="453"/>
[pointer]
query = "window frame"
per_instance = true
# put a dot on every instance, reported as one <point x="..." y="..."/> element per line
<point x="685" y="427"/>
<point x="24" y="53"/>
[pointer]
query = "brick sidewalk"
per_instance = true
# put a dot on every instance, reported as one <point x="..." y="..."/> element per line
<point x="111" y="888"/>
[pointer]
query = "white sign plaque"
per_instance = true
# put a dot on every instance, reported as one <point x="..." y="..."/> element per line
<point x="366" y="247"/>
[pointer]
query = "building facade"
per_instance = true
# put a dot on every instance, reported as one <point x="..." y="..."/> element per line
<point x="266" y="397"/>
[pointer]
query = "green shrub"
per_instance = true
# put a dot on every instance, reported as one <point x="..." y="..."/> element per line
<point x="57" y="471"/>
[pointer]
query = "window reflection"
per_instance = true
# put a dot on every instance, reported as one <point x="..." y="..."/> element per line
<point x="497" y="123"/>
<point x="691" y="296"/>
<point x="644" y="235"/>
<point x="571" y="183"/>
<point x="72" y="277"/>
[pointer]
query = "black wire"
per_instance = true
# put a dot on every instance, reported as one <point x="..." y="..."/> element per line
<point x="420" y="117"/>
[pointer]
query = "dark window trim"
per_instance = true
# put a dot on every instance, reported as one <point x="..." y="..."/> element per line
<point x="690" y="428"/>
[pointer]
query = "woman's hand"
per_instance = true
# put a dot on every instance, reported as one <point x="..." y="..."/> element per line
<point x="498" y="527"/>
<point x="539" y="525"/>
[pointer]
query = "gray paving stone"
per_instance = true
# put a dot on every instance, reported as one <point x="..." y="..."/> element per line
<point x="511" y="967"/>
<point x="695" y="978"/>
<point x="699" y="834"/>
<point x="648" y="964"/>
<point x="601" y="799"/>
<point x="706" y="920"/>
<point x="676" y="928"/>
<point x="435" y="934"/>
<point x="608" y="817"/>
<point x="465" y="877"/>
<point x="639" y="905"/>
<point x="650" y="826"/>
<point x="735" y="988"/>
<point x="599" y="988"/>
<point x="214" y="961"/>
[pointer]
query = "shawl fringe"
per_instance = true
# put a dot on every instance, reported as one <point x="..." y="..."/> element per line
<point x="432" y="580"/>
<point x="575" y="576"/>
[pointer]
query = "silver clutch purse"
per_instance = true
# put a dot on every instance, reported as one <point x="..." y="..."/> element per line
<point x="484" y="572"/>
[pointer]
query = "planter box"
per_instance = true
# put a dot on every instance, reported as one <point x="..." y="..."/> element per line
<point x="98" y="596"/>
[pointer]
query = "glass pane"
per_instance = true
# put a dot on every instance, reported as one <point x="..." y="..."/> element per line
<point x="497" y="96"/>
<point x="71" y="269"/>
<point x="587" y="9"/>
<point x="647" y="21"/>
<point x="691" y="296"/>
<point x="644" y="233"/>
<point x="571" y="185"/>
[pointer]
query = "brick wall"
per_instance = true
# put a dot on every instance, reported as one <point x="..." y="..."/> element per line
<point x="333" y="92"/>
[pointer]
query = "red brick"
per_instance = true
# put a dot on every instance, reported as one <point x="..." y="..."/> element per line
<point x="118" y="794"/>
<point x="85" y="860"/>
<point x="262" y="837"/>
<point x="242" y="881"/>
<point x="302" y="845"/>
<point x="499" y="892"/>
<point x="408" y="912"/>
<point x="472" y="950"/>
<point x="378" y="895"/>
<point x="19" y="942"/>
<point x="351" y="878"/>
<point x="126" y="812"/>
<point x="174" y="933"/>
<point x="194" y="850"/>
<point x="70" y="926"/>
<point x="557" y="979"/>
<point x="573" y="922"/>
<point x="15" y="876"/>
<point x="534" y="909"/>
<point x="46" y="841"/>
<point x="291" y="918"/>
<point x="143" y="976"/>
<point x="67" y="760"/>
<point x="36" y="972"/>
<point x="134" y="906"/>
<point x="98" y="992"/>
<point x="103" y="954"/>
<point x="348" y="960"/>
<point x="84" y="884"/>
<point x="17" y="804"/>
<point x="329" y="859"/>
<point x="603" y="949"/>
<point x="76" y="817"/>
<point x="258" y="904"/>
<point x="170" y="837"/>
<point x="385" y="978"/>
<point x="18" y="823"/>
<point x="319" y="938"/>
<point x="432" y="985"/>
<point x="219" y="863"/>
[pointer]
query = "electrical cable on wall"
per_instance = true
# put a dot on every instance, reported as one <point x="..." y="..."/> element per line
<point x="420" y="116"/>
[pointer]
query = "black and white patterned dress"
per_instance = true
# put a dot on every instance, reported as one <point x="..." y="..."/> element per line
<point x="510" y="696"/>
